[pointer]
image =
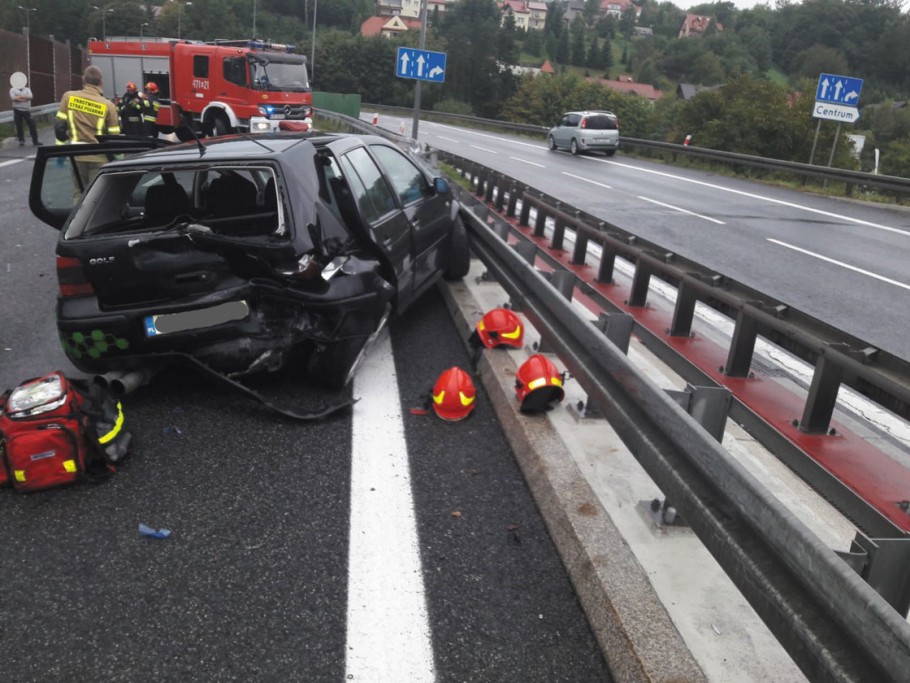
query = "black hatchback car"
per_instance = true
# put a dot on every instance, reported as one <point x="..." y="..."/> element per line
<point x="241" y="251"/>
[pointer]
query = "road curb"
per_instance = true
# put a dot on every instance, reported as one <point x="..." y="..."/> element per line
<point x="634" y="630"/>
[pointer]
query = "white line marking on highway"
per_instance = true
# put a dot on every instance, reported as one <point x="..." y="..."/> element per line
<point x="780" y="202"/>
<point x="492" y="137"/>
<point x="443" y="137"/>
<point x="525" y="161"/>
<point x="14" y="161"/>
<point x="484" y="149"/>
<point x="676" y="208"/>
<point x="388" y="632"/>
<point x="840" y="263"/>
<point x="587" y="180"/>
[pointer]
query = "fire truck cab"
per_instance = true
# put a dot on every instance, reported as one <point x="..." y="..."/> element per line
<point x="215" y="87"/>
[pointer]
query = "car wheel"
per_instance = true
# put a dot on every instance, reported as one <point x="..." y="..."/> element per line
<point x="574" y="147"/>
<point x="334" y="366"/>
<point x="610" y="152"/>
<point x="458" y="258"/>
<point x="551" y="143"/>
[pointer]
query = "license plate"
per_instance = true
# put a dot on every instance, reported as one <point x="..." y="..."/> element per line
<point x="168" y="323"/>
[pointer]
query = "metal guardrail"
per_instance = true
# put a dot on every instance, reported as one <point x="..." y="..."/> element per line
<point x="851" y="178"/>
<point x="834" y="625"/>
<point x="44" y="110"/>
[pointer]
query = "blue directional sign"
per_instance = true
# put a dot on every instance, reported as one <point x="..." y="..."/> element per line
<point x="422" y="65"/>
<point x="838" y="89"/>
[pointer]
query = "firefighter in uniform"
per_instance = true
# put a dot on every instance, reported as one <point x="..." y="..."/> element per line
<point x="131" y="108"/>
<point x="151" y="104"/>
<point x="83" y="116"/>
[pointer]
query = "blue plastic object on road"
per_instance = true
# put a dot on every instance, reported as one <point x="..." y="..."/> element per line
<point x="153" y="533"/>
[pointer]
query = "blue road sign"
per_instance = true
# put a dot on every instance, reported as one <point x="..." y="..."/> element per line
<point x="421" y="64"/>
<point x="838" y="89"/>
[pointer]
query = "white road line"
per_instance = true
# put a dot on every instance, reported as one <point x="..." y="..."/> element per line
<point x="443" y="137"/>
<point x="14" y="161"/>
<point x="484" y="149"/>
<point x="492" y="137"/>
<point x="525" y="161"/>
<point x="587" y="180"/>
<point x="388" y="632"/>
<point x="676" y="208"/>
<point x="840" y="263"/>
<point x="779" y="202"/>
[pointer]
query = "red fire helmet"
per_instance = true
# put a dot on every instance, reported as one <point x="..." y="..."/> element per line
<point x="151" y="86"/>
<point x="538" y="384"/>
<point x="499" y="326"/>
<point x="454" y="395"/>
<point x="131" y="87"/>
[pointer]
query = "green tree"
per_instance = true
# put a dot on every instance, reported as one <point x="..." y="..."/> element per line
<point x="577" y="48"/>
<point x="562" y="49"/>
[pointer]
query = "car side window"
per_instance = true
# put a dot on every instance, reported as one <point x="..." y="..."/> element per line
<point x="372" y="193"/>
<point x="407" y="180"/>
<point x="570" y="120"/>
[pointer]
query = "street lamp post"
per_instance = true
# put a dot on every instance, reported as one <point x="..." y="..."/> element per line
<point x="179" y="15"/>
<point x="28" y="40"/>
<point x="254" y="20"/>
<point x="313" y="59"/>
<point x="104" y="13"/>
<point x="142" y="26"/>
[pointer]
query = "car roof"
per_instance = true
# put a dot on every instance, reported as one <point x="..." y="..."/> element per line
<point x="269" y="147"/>
<point x="589" y="112"/>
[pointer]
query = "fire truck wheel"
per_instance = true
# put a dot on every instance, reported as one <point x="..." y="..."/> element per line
<point x="222" y="127"/>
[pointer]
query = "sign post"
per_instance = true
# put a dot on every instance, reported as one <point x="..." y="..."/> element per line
<point x="421" y="65"/>
<point x="836" y="99"/>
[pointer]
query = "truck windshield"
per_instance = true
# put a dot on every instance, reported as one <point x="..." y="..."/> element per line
<point x="284" y="73"/>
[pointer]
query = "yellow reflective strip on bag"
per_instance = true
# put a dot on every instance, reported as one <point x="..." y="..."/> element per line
<point x="69" y="465"/>
<point x="19" y="475"/>
<point x="115" y="430"/>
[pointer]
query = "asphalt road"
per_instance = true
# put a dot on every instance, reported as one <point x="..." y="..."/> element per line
<point x="255" y="580"/>
<point x="841" y="261"/>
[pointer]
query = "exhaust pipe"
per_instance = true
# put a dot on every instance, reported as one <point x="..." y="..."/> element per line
<point x="128" y="382"/>
<point x="123" y="383"/>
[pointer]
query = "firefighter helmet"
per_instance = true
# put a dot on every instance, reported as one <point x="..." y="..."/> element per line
<point x="131" y="87"/>
<point x="498" y="326"/>
<point x="151" y="86"/>
<point x="538" y="384"/>
<point x="453" y="395"/>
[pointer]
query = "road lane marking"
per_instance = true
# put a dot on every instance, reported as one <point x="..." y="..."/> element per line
<point x="525" y="161"/>
<point x="388" y="632"/>
<point x="839" y="263"/>
<point x="676" y="208"/>
<point x="14" y="161"/>
<point x="587" y="180"/>
<point x="485" y="135"/>
<point x="443" y="137"/>
<point x="750" y="195"/>
<point x="484" y="149"/>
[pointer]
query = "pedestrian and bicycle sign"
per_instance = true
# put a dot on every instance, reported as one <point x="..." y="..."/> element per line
<point x="422" y="65"/>
<point x="837" y="97"/>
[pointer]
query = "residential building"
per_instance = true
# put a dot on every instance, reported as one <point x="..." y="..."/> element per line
<point x="388" y="27"/>
<point x="527" y="14"/>
<point x="695" y="26"/>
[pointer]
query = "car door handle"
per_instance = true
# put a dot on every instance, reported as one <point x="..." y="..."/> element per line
<point x="187" y="278"/>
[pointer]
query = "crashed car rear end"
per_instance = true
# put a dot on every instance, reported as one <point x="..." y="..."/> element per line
<point x="241" y="252"/>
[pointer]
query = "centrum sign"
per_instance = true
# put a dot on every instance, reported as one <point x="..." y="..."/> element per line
<point x="835" y="112"/>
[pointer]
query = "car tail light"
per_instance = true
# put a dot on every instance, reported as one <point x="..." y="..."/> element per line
<point x="71" y="278"/>
<point x="584" y="123"/>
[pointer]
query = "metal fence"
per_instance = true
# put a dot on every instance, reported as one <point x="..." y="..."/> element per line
<point x="52" y="67"/>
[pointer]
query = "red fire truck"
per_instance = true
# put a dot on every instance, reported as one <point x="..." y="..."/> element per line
<point x="215" y="87"/>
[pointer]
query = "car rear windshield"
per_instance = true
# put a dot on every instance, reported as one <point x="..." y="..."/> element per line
<point x="601" y="122"/>
<point x="231" y="200"/>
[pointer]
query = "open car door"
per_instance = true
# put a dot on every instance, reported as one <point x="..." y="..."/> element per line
<point x="63" y="172"/>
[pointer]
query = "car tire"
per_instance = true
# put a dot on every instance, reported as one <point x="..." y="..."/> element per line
<point x="574" y="147"/>
<point x="221" y="126"/>
<point x="610" y="152"/>
<point x="333" y="367"/>
<point x="551" y="143"/>
<point x="458" y="257"/>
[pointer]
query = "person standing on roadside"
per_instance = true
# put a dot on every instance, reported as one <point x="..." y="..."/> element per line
<point x="21" y="96"/>
<point x="151" y="105"/>
<point x="83" y="116"/>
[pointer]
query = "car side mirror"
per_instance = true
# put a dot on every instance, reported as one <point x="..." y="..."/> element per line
<point x="441" y="185"/>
